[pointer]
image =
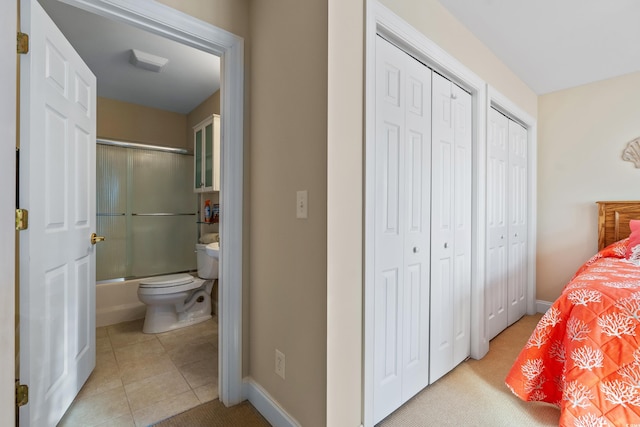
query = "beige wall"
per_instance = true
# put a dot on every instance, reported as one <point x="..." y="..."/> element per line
<point x="581" y="135"/>
<point x="230" y="15"/>
<point x="124" y="121"/>
<point x="288" y="285"/>
<point x="285" y="140"/>
<point x="285" y="151"/>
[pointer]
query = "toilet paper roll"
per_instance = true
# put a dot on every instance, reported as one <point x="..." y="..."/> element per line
<point x="209" y="238"/>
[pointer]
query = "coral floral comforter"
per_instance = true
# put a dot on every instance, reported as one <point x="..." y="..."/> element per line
<point x="584" y="355"/>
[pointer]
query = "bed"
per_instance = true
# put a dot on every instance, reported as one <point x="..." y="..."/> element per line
<point x="584" y="354"/>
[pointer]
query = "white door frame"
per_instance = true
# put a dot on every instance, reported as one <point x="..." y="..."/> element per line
<point x="175" y="25"/>
<point x="381" y="20"/>
<point x="8" y="79"/>
<point x="501" y="103"/>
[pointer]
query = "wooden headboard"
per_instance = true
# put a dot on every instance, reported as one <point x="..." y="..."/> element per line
<point x="613" y="220"/>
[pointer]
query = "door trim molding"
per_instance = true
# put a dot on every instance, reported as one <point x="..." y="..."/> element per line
<point x="160" y="19"/>
<point x="8" y="79"/>
<point x="382" y="21"/>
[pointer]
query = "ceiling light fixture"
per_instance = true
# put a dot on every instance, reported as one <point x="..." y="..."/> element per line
<point x="147" y="61"/>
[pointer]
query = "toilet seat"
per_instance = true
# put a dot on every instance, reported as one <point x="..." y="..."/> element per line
<point x="169" y="284"/>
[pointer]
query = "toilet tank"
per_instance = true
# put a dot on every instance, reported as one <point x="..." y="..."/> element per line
<point x="207" y="265"/>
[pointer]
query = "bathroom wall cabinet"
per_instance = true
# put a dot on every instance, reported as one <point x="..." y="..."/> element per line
<point x="206" y="154"/>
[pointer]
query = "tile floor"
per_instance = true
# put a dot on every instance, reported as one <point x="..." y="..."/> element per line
<point x="141" y="379"/>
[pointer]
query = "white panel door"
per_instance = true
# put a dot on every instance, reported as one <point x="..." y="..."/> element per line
<point x="401" y="221"/>
<point x="417" y="228"/>
<point x="442" y="230"/>
<point x="462" y="224"/>
<point x="517" y="208"/>
<point x="57" y="186"/>
<point x="507" y="202"/>
<point x="497" y="274"/>
<point x="450" y="227"/>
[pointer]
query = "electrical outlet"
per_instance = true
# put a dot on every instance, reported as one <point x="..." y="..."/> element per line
<point x="280" y="363"/>
<point x="301" y="204"/>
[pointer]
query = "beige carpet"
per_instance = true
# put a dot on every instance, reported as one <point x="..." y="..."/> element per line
<point x="474" y="393"/>
<point x="215" y="414"/>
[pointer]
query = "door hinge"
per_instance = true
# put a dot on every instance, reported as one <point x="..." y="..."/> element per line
<point x="22" y="394"/>
<point x="22" y="219"/>
<point x="23" y="43"/>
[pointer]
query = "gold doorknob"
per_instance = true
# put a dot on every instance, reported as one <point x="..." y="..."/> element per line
<point x="95" y="238"/>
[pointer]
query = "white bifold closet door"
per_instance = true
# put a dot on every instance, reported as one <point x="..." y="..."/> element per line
<point x="451" y="227"/>
<point x="507" y="205"/>
<point x="402" y="228"/>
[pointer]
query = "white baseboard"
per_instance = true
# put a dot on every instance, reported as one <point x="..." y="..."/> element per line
<point x="543" y="306"/>
<point x="267" y="405"/>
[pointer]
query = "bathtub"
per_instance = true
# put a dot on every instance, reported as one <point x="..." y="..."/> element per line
<point x="118" y="302"/>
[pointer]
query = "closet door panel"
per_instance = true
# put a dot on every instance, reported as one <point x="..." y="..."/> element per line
<point x="462" y="165"/>
<point x="507" y="222"/>
<point x="451" y="227"/>
<point x="388" y="223"/>
<point x="442" y="230"/>
<point x="443" y="147"/>
<point x="402" y="228"/>
<point x="497" y="225"/>
<point x="517" y="221"/>
<point x="417" y="232"/>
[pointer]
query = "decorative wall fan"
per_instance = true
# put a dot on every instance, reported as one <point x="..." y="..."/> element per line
<point x="632" y="152"/>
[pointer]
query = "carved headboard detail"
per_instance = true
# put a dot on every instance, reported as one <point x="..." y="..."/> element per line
<point x="613" y="220"/>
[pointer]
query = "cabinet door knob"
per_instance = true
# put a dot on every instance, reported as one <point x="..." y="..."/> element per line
<point x="416" y="249"/>
<point x="515" y="235"/>
<point x="501" y="237"/>
<point x="446" y="245"/>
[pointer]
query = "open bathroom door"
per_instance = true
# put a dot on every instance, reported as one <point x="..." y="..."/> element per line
<point x="57" y="187"/>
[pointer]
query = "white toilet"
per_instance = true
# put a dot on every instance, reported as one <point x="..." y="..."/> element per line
<point x="178" y="300"/>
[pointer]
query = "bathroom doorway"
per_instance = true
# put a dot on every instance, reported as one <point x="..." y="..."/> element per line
<point x="162" y="20"/>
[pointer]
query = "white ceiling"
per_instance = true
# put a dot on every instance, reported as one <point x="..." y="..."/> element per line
<point x="556" y="44"/>
<point x="190" y="76"/>
<point x="550" y="44"/>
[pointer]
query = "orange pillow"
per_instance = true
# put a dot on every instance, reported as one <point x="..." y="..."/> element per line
<point x="633" y="250"/>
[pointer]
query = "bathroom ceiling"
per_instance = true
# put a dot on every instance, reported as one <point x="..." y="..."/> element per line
<point x="553" y="45"/>
<point x="190" y="76"/>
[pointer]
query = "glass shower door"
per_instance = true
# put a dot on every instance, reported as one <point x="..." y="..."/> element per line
<point x="147" y="210"/>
